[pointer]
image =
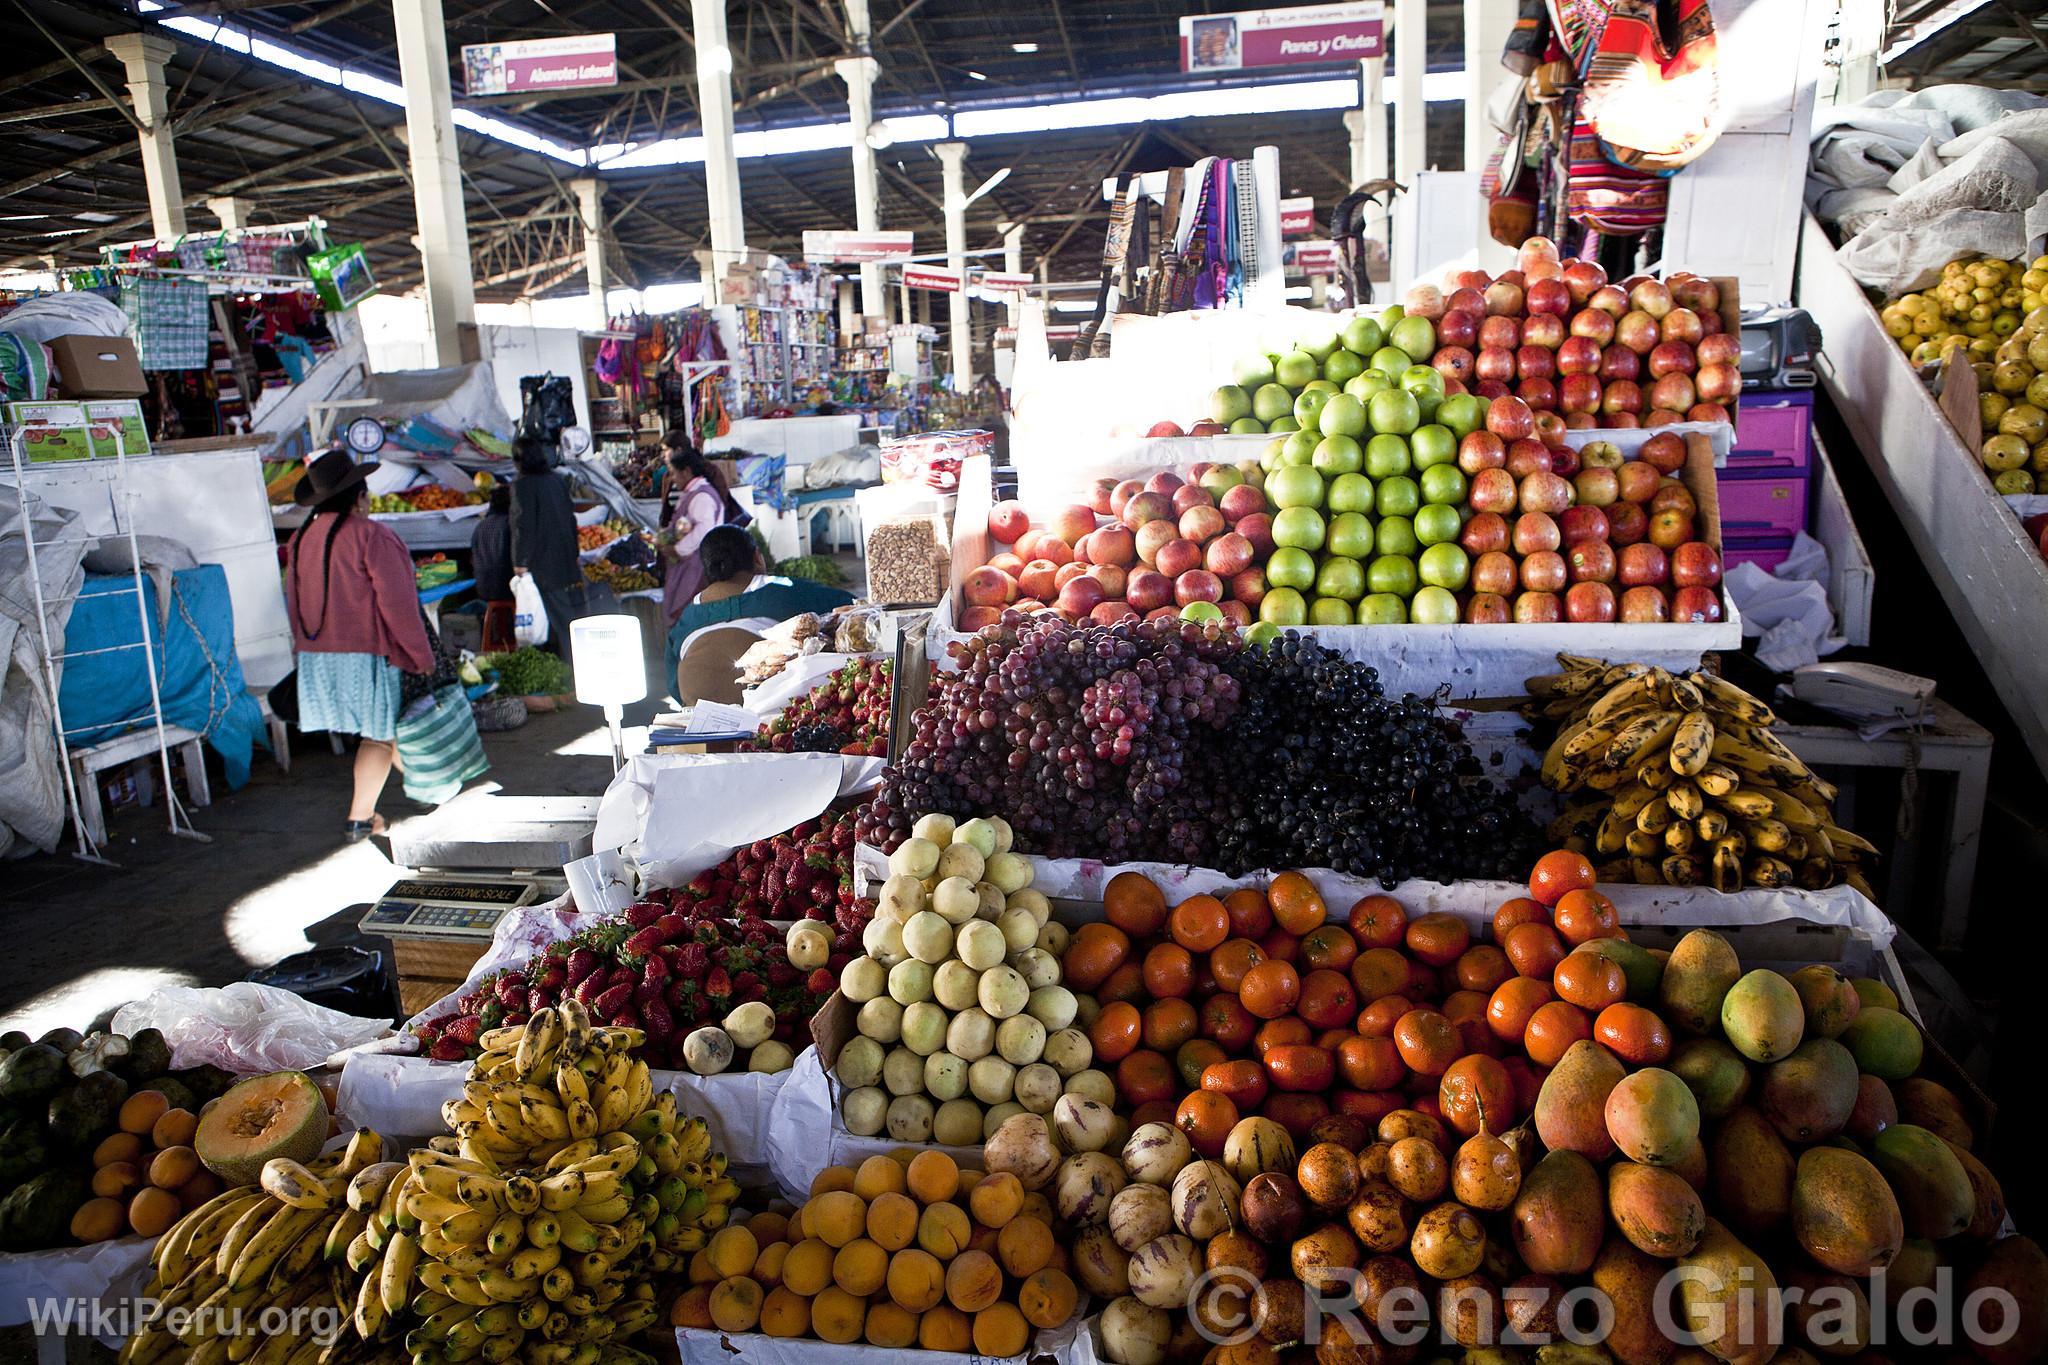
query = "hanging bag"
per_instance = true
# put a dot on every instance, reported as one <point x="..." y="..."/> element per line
<point x="529" y="612"/>
<point x="1653" y="107"/>
<point x="439" y="749"/>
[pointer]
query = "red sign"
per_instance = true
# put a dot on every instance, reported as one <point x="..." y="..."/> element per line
<point x="856" y="248"/>
<point x="1003" y="282"/>
<point x="527" y="64"/>
<point x="1312" y="258"/>
<point x="934" y="277"/>
<point x="1303" y="36"/>
<point x="1297" y="217"/>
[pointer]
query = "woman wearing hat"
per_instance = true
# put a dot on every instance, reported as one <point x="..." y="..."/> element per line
<point x="355" y="611"/>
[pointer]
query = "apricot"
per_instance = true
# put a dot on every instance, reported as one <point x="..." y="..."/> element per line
<point x="860" y="1267"/>
<point x="837" y="1217"/>
<point x="878" y="1175"/>
<point x="932" y="1177"/>
<point x="692" y="1307"/>
<point x="837" y="1316"/>
<point x="892" y="1220"/>
<point x="890" y="1325"/>
<point x="945" y="1328"/>
<point x="733" y="1251"/>
<point x="997" y="1199"/>
<point x="808" y="1267"/>
<point x="1047" y="1298"/>
<point x="1000" y="1331"/>
<point x="141" y="1110"/>
<point x="785" y="1314"/>
<point x="1025" y="1246"/>
<point x="736" y="1304"/>
<point x="152" y="1212"/>
<point x="99" y="1220"/>
<point x="973" y="1282"/>
<point x="916" y="1279"/>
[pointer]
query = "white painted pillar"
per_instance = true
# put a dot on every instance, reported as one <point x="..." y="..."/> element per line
<point x="953" y="158"/>
<point x="721" y="166"/>
<point x="924" y="305"/>
<point x="436" y="175"/>
<point x="232" y="212"/>
<point x="1411" y="61"/>
<point x="144" y="54"/>
<point x="1487" y="26"/>
<point x="589" y="191"/>
<point x="1367" y="125"/>
<point x="1013" y="263"/>
<point x="859" y="75"/>
<point x="849" y="315"/>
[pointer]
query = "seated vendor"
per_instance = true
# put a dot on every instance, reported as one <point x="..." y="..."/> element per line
<point x="736" y="590"/>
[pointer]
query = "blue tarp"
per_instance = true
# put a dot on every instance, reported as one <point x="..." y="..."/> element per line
<point x="199" y="677"/>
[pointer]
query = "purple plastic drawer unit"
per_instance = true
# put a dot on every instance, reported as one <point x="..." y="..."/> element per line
<point x="1766" y="551"/>
<point x="1762" y="501"/>
<point x="1777" y="430"/>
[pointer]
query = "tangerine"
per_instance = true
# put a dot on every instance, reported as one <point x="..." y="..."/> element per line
<point x="1145" y="1077"/>
<point x="1589" y="980"/>
<point x="1438" y="938"/>
<point x="1227" y="1022"/>
<point x="1295" y="1111"/>
<point x="1199" y="923"/>
<point x="1206" y="1118"/>
<point x="1329" y="945"/>
<point x="1378" y="972"/>
<point x="1244" y="1083"/>
<point x="1194" y="1057"/>
<point x="1278" y="943"/>
<point x="1297" y="905"/>
<point x="1127" y="982"/>
<point x="1094" y="951"/>
<point x="1512" y="1002"/>
<point x="1636" y="1035"/>
<point x="1427" y="1041"/>
<point x="1583" y="916"/>
<point x="1134" y="904"/>
<point x="1168" y="1024"/>
<point x="1518" y="910"/>
<point x="1117" y="1031"/>
<point x="1379" y="922"/>
<point x="1377" y="1020"/>
<point x="1270" y="989"/>
<point x="1250" y="916"/>
<point x="1327" y="1000"/>
<point x="1370" y="1063"/>
<point x="1282" y="1032"/>
<point x="1552" y="1029"/>
<point x="1534" y="949"/>
<point x="1301" y="1067"/>
<point x="1231" y="959"/>
<point x="1169" y="971"/>
<point x="1482" y="967"/>
<point x="1557" y="872"/>
<point x="1477" y="1095"/>
<point x="1462" y="1005"/>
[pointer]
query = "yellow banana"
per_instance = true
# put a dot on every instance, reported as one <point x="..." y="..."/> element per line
<point x="576" y="1232"/>
<point x="1768" y="835"/>
<point x="1717" y="779"/>
<point x="501" y="1287"/>
<point x="438" y="1277"/>
<point x="1685" y="800"/>
<point x="579" y="1150"/>
<point x="1652" y="818"/>
<point x="1692" y="744"/>
<point x="365" y="1148"/>
<point x="1680" y="837"/>
<point x="530" y="1263"/>
<point x="1730" y="700"/>
<point x="1765" y="870"/>
<point x="543" y="1229"/>
<point x="366" y="1186"/>
<point x="1645" y="871"/>
<point x="505" y="1234"/>
<point x="557" y="1284"/>
<point x="1636" y="691"/>
<point x="1640" y="737"/>
<point x="1712" y="824"/>
<point x="290" y="1183"/>
<point x="370" y="1314"/>
<point x="540" y="1041"/>
<point x="1642" y="844"/>
<point x="546" y="1121"/>
<point x="501" y="1039"/>
<point x="575" y="1019"/>
<point x="1748" y="804"/>
<point x="1793" y="811"/>
<point x="1656" y="774"/>
<point x="244" y="1230"/>
<point x="1684" y="694"/>
<point x="280" y="1235"/>
<point x="395" y="1279"/>
<point x="1727" y="866"/>
<point x="1681" y="869"/>
<point x="1844" y="839"/>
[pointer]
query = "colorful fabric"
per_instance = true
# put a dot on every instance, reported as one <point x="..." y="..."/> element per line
<point x="349" y="694"/>
<point x="24" y="369"/>
<point x="168" y="319"/>
<point x="360" y="599"/>
<point x="438" y="748"/>
<point x="1603" y="196"/>
<point x="1653" y="109"/>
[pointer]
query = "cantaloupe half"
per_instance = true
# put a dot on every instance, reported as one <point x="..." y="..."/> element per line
<point x="281" y="1114"/>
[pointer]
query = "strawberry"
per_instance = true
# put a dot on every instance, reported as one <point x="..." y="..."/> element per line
<point x="588" y="989"/>
<point x="692" y="961"/>
<point x="508" y="988"/>
<point x="538" y="1000"/>
<point x="780" y="973"/>
<point x="620" y="976"/>
<point x="659" y="1023"/>
<point x="553" y="979"/>
<point x="640" y="914"/>
<point x="463" y="1029"/>
<point x="582" y="962"/>
<point x="492" y="1015"/>
<point x="718" y="983"/>
<point x="745" y="981"/>
<point x="610" y="1001"/>
<point x="656" y="969"/>
<point x="447" y="1050"/>
<point x="637" y="948"/>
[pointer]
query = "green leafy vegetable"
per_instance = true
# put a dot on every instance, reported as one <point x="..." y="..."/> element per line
<point x="529" y="672"/>
<point x="817" y="568"/>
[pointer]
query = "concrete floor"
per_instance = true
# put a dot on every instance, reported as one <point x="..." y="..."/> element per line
<point x="177" y="912"/>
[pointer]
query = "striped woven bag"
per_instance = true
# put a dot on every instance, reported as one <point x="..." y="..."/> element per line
<point x="1654" y="106"/>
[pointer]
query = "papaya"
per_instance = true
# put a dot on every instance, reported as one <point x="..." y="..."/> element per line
<point x="148" y="1054"/>
<point x="1932" y="1187"/>
<point x="1632" y="1282"/>
<point x="1831" y="1311"/>
<point x="1810" y="1094"/>
<point x="1752" y="1173"/>
<point x="1886" y="1043"/>
<point x="2017" y="1266"/>
<point x="1714" y="1072"/>
<point x="23" y="1149"/>
<point x="32" y="1072"/>
<point x="1762" y="1017"/>
<point x="282" y="1114"/>
<point x="1828" y="998"/>
<point x="1875" y="1110"/>
<point x="1985" y="1190"/>
<point x="1933" y="1106"/>
<point x="1698" y="974"/>
<point x="1643" y="969"/>
<point x="1655" y="1209"/>
<point x="1730" y="1300"/>
<point x="1559" y="1217"/>
<point x="1843" y="1213"/>
<point x="1652" y="1116"/>
<point x="38" y="1213"/>
<point x="1571" y="1107"/>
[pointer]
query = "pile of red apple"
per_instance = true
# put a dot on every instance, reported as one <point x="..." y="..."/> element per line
<point x="1167" y="542"/>
<point x="1558" y="336"/>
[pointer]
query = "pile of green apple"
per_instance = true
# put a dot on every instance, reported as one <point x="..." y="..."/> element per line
<point x="1267" y="392"/>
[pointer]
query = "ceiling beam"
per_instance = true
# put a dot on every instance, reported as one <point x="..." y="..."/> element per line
<point x="43" y="111"/>
<point x="329" y="15"/>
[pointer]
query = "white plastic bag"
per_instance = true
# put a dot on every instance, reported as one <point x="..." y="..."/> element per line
<point x="529" y="613"/>
<point x="246" y="1027"/>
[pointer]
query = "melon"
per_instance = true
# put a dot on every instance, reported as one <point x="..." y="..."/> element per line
<point x="282" y="1114"/>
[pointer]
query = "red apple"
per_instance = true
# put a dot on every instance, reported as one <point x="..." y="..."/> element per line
<point x="1706" y="412"/>
<point x="974" y="618"/>
<point x="1199" y="469"/>
<point x="1481" y="450"/>
<point x="1080" y="596"/>
<point x="1721" y="348"/>
<point x="1146" y="589"/>
<point x="1504" y="298"/>
<point x="1596" y="486"/>
<point x="1207" y="427"/>
<point x="1622" y="420"/>
<point x="1619" y="362"/>
<point x="1008" y="562"/>
<point x="1696" y="606"/>
<point x="1550" y="430"/>
<point x="1535" y="362"/>
<point x="1197" y="585"/>
<point x="1652" y="297"/>
<point x="1579" y="355"/>
<point x="1112" y="577"/>
<point x="1149" y="505"/>
<point x="1202" y="522"/>
<point x="1549" y="297"/>
<point x="1008" y="520"/>
<point x="1528" y="456"/>
<point x="1165" y="481"/>
<point x="1627" y="523"/>
<point x="1466" y="297"/>
<point x="1637" y="331"/>
<point x="1670" y="528"/>
<point x="1546" y="492"/>
<point x="1099" y="499"/>
<point x="1589" y="602"/>
<point x="1674" y="392"/>
<point x="1695" y="564"/>
<point x="1236" y="612"/>
<point x="1645" y="605"/>
<point x="1121" y="494"/>
<point x="989" y="587"/>
<point x="1719" y="383"/>
<point x="1084" y="552"/>
<point x="1258" y="529"/>
<point x="1067" y="573"/>
<point x="1191" y="495"/>
<point x="1639" y="480"/>
<point x="1110" y="612"/>
<point x="1485" y="532"/>
<point x="1695" y="292"/>
<point x="1564" y="461"/>
<point x="1495" y="572"/>
<point x="1594" y="325"/>
<point x="1580" y="421"/>
<point x="1670" y="357"/>
<point x="1487" y="609"/>
<point x="1544" y="571"/>
<point x="1510" y="419"/>
<point x="1239" y="501"/>
<point x="1165" y="429"/>
<point x="1490" y="389"/>
<point x="1152" y="536"/>
<point x="1169" y="612"/>
<point x="1500" y="333"/>
<point x="1579" y="393"/>
<point x="1539" y="609"/>
<point x="1453" y="363"/>
<point x="1248" y="586"/>
<point x="1681" y="324"/>
<point x="1037" y="579"/>
<point x="1545" y="330"/>
<point x="1538" y="392"/>
<point x="1494" y="364"/>
<point x="1227" y="555"/>
<point x="1113" y="545"/>
<point x="1581" y="278"/>
<point x="1514" y="277"/>
<point x="1642" y="563"/>
<point x="1458" y="328"/>
<point x="1621" y="396"/>
<point x="1492" y="490"/>
<point x="1710" y="322"/>
<point x="1177" y="556"/>
<point x="1662" y="417"/>
<point x="1534" y="532"/>
<point x="1673" y="496"/>
<point x="1664" y="452"/>
<point x="1579" y="524"/>
<point x="1609" y="299"/>
<point x="1424" y="300"/>
<point x="1592" y="561"/>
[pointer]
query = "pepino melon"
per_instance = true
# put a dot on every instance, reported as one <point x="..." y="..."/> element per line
<point x="282" y="1114"/>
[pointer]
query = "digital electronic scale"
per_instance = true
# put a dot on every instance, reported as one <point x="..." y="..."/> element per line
<point x="451" y="905"/>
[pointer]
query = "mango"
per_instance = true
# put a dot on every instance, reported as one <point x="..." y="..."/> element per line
<point x="1810" y="1094"/>
<point x="1988" y="1194"/>
<point x="1935" y="1107"/>
<point x="1730" y="1299"/>
<point x="1691" y="1166"/>
<point x="1832" y="1312"/>
<point x="2017" y="1266"/>
<point x="1918" y="1266"/>
<point x="1752" y="1173"/>
<point x="1652" y="1116"/>
<point x="1843" y="1213"/>
<point x="1701" y="969"/>
<point x="1714" y="1072"/>
<point x="1932" y="1186"/>
<point x="1874" y="992"/>
<point x="1571" y="1107"/>
<point x="1828" y="997"/>
<point x="1558" y="1217"/>
<point x="1655" y="1209"/>
<point x="1630" y="1280"/>
<point x="1644" y="969"/>
<point x="1886" y="1043"/>
<point x="1874" y="1111"/>
<point x="1762" y="1017"/>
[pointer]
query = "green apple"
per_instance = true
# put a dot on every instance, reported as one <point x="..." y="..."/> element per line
<point x="1391" y="573"/>
<point x="1390" y="315"/>
<point x="1394" y="411"/>
<point x="1343" y="366"/>
<point x="1247" y="426"/>
<point x="1349" y="493"/>
<point x="1338" y="455"/>
<point x="1253" y="371"/>
<point x="1294" y="485"/>
<point x="1283" y="423"/>
<point x="1363" y="335"/>
<point x="1261" y="633"/>
<point x="1391" y="360"/>
<point x="1443" y="483"/>
<point x="1290" y="567"/>
<point x="1219" y="479"/>
<point x="1308" y="407"/>
<point x="1254" y="472"/>
<point x="1463" y="413"/>
<point x="1387" y="455"/>
<point x="1433" y="445"/>
<point x="1270" y="401"/>
<point x="1201" y="611"/>
<point x="1364" y="386"/>
<point x="1426" y="405"/>
<point x="1322" y="347"/>
<point x="1350" y="535"/>
<point x="1229" y="403"/>
<point x="1432" y="606"/>
<point x="1329" y="611"/>
<point x="1415" y="335"/>
<point x="1320" y="386"/>
<point x="1397" y="497"/>
<point x="1297" y="449"/>
<point x="1296" y="368"/>
<point x="1283" y="607"/>
<point x="1274" y="455"/>
<point x="1436" y="523"/>
<point x="1421" y="379"/>
<point x="1340" y="576"/>
<point x="1342" y="415"/>
<point x="1298" y="528"/>
<point x="1381" y="609"/>
<point x="1445" y="565"/>
<point x="1396" y="536"/>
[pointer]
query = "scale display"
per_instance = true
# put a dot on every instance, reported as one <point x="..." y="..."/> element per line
<point x="454" y="907"/>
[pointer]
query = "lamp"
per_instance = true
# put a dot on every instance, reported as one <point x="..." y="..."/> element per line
<point x="998" y="178"/>
<point x="880" y="135"/>
<point x="610" y="670"/>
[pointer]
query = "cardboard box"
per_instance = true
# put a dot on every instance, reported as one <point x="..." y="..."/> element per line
<point x="79" y="431"/>
<point x="96" y="367"/>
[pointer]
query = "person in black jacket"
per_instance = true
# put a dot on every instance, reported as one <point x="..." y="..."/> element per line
<point x="544" y="539"/>
<point x="490" y="555"/>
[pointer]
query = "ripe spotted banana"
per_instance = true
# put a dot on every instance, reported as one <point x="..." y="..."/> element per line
<point x="1681" y="869"/>
<point x="1640" y="736"/>
<point x="1727" y="865"/>
<point x="1692" y="744"/>
<point x="1717" y="779"/>
<point x="290" y="1183"/>
<point x="1728" y="699"/>
<point x="1764" y="870"/>
<point x="1748" y="804"/>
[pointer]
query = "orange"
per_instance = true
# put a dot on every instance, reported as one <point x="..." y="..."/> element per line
<point x="1243" y="1083"/>
<point x="1377" y="1020"/>
<point x="1231" y="960"/>
<point x="1589" y="980"/>
<point x="1329" y="945"/>
<point x="1250" y="916"/>
<point x="1583" y="916"/>
<point x="1327" y="1000"/>
<point x="1534" y="949"/>
<point x="1557" y="872"/>
<point x="1145" y="1077"/>
<point x="1482" y="967"/>
<point x="1512" y="1002"/>
<point x="1117" y="1031"/>
<point x="1206" y="1117"/>
<point x="1518" y="910"/>
<point x="1092" y="954"/>
<point x="1634" y="1034"/>
<point x="1199" y="923"/>
<point x="1477" y="1094"/>
<point x="1379" y="922"/>
<point x="1459" y="1005"/>
<point x="1438" y="938"/>
<point x="1169" y="971"/>
<point x="1127" y="982"/>
<point x="1278" y="943"/>
<point x="1378" y="972"/>
<point x="1168" y="1024"/>
<point x="1228" y="1023"/>
<point x="1194" y="1057"/>
<point x="1133" y="904"/>
<point x="1285" y="1031"/>
<point x="1370" y="1063"/>
<point x="1552" y="1029"/>
<point x="1427" y="1041"/>
<point x="1270" y="989"/>
<point x="1297" y="905"/>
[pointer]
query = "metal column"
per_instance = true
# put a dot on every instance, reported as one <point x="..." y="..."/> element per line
<point x="1411" y="112"/>
<point x="859" y="75"/>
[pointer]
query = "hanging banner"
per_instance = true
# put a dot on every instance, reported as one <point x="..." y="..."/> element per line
<point x="1312" y="258"/>
<point x="1297" y="217"/>
<point x="856" y="248"/>
<point x="1003" y="282"/>
<point x="1303" y="36"/>
<point x="934" y="277"/>
<point x="529" y="64"/>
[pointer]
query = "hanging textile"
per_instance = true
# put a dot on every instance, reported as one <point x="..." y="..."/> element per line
<point x="168" y="319"/>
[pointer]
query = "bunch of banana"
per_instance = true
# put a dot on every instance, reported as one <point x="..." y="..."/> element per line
<point x="1678" y="781"/>
<point x="253" y="1249"/>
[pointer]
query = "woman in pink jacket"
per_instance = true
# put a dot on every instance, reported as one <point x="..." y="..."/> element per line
<point x="356" y="624"/>
<point x="701" y="504"/>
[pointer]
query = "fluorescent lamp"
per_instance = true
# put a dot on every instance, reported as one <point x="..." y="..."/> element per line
<point x="1023" y="47"/>
<point x="998" y="178"/>
<point x="976" y="76"/>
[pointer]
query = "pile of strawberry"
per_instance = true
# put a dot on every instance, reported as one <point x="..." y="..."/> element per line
<point x="806" y="873"/>
<point x="852" y="703"/>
